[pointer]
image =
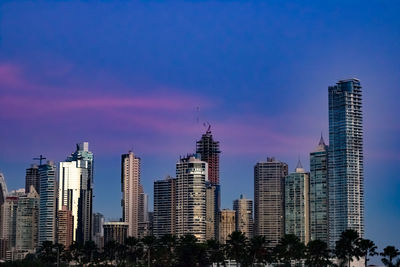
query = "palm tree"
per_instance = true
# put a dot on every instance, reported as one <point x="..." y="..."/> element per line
<point x="215" y="253"/>
<point x="289" y="249"/>
<point x="186" y="251"/>
<point x="46" y="254"/>
<point x="367" y="248"/>
<point x="76" y="251"/>
<point x="389" y="253"/>
<point x="165" y="250"/>
<point x="258" y="250"/>
<point x="149" y="242"/>
<point x="88" y="251"/>
<point x="236" y="247"/>
<point x="317" y="254"/>
<point x="132" y="244"/>
<point x="347" y="247"/>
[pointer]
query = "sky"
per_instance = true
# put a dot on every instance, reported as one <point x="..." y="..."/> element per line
<point x="146" y="76"/>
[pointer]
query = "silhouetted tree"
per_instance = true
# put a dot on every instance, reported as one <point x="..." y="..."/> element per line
<point x="236" y="247"/>
<point x="367" y="248"/>
<point x="290" y="248"/>
<point x="389" y="253"/>
<point x="347" y="247"/>
<point x="317" y="254"/>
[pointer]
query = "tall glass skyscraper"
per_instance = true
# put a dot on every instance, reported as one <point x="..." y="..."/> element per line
<point x="76" y="190"/>
<point x="47" y="203"/>
<point x="346" y="179"/>
<point x="319" y="192"/>
<point x="164" y="207"/>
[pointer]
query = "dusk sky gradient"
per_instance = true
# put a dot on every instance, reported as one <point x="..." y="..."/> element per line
<point x="130" y="75"/>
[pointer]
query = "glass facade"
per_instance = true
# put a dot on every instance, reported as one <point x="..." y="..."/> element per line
<point x="319" y="192"/>
<point x="345" y="159"/>
<point x="47" y="211"/>
<point x="76" y="190"/>
<point x="297" y="209"/>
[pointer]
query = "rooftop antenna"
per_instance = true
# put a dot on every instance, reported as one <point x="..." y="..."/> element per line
<point x="40" y="158"/>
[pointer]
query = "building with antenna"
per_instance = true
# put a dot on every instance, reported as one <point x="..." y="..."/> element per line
<point x="319" y="192"/>
<point x="297" y="209"/>
<point x="48" y="202"/>
<point x="76" y="190"/>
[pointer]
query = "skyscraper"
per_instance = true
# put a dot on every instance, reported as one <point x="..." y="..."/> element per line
<point x="98" y="230"/>
<point x="208" y="149"/>
<point x="32" y="178"/>
<point x="130" y="186"/>
<point x="164" y="207"/>
<point x="191" y="175"/>
<point x="269" y="199"/>
<point x="3" y="195"/>
<point x="115" y="231"/>
<point x="212" y="198"/>
<point x="297" y="209"/>
<point x="345" y="159"/>
<point x="65" y="227"/>
<point x="226" y="224"/>
<point x="243" y="208"/>
<point x="76" y="190"/>
<point x="319" y="192"/>
<point x="47" y="210"/>
<point x="26" y="234"/>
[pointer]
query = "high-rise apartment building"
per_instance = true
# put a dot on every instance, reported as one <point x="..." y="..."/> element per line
<point x="65" y="227"/>
<point x="212" y="198"/>
<point x="27" y="219"/>
<point x="345" y="159"/>
<point x="76" y="190"/>
<point x="130" y="187"/>
<point x="319" y="192"/>
<point x="32" y="178"/>
<point x="164" y="207"/>
<point x="3" y="196"/>
<point x="208" y="149"/>
<point x="243" y="208"/>
<point x="98" y="230"/>
<point x="297" y="205"/>
<point x="10" y="219"/>
<point x="48" y="202"/>
<point x="269" y="199"/>
<point x="226" y="225"/>
<point x="115" y="231"/>
<point x="191" y="176"/>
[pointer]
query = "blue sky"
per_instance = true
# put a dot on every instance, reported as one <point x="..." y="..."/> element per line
<point x="130" y="75"/>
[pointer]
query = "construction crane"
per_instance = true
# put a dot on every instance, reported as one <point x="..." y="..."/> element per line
<point x="40" y="158"/>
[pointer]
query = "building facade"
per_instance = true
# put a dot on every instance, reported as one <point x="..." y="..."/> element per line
<point x="212" y="198"/>
<point x="48" y="202"/>
<point x="27" y="219"/>
<point x="319" y="192"/>
<point x="226" y="224"/>
<point x="98" y="230"/>
<point x="297" y="205"/>
<point x="65" y="227"/>
<point x="191" y="176"/>
<point x="164" y="207"/>
<point x="130" y="187"/>
<point x="115" y="231"/>
<point x="269" y="199"/>
<point x="243" y="208"/>
<point x="345" y="159"/>
<point x="76" y="190"/>
<point x="32" y="178"/>
<point x="3" y="196"/>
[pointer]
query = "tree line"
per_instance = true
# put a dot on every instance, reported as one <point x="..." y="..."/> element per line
<point x="186" y="251"/>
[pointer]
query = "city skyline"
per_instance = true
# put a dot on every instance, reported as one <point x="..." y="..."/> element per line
<point x="259" y="80"/>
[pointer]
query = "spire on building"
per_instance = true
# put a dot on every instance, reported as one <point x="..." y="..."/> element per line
<point x="299" y="167"/>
